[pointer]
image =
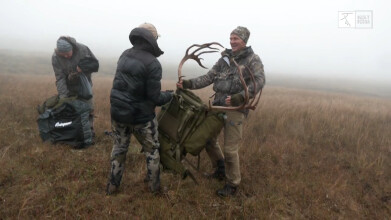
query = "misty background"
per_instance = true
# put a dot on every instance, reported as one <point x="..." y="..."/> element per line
<point x="299" y="42"/>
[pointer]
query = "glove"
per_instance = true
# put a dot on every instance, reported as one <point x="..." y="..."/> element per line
<point x="237" y="99"/>
<point x="186" y="84"/>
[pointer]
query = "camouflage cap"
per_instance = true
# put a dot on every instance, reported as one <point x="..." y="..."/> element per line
<point x="151" y="28"/>
<point x="242" y="32"/>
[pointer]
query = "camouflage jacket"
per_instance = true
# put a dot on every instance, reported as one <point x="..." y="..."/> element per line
<point x="63" y="67"/>
<point x="225" y="77"/>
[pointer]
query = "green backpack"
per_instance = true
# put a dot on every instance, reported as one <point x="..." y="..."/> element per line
<point x="53" y="102"/>
<point x="185" y="126"/>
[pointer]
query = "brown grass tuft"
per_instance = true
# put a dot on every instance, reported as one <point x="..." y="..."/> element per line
<point x="305" y="154"/>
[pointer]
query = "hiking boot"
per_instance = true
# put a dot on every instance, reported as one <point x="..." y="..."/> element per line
<point x="146" y="178"/>
<point x="219" y="173"/>
<point x="227" y="191"/>
<point x="157" y="192"/>
<point x="220" y="176"/>
<point x="111" y="189"/>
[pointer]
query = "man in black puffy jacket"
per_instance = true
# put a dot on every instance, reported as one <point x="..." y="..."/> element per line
<point x="135" y="94"/>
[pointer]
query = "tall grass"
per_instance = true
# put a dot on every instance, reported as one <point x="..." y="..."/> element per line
<point x="305" y="154"/>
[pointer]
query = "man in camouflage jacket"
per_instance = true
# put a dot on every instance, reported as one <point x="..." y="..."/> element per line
<point x="229" y="92"/>
<point x="67" y="66"/>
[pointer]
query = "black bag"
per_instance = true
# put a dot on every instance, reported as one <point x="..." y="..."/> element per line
<point x="67" y="122"/>
<point x="85" y="89"/>
<point x="87" y="65"/>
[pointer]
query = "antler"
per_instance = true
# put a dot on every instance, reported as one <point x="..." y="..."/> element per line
<point x="245" y="104"/>
<point x="251" y="105"/>
<point x="195" y="56"/>
<point x="246" y="97"/>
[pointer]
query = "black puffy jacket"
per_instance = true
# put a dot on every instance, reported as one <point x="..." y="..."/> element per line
<point x="136" y="85"/>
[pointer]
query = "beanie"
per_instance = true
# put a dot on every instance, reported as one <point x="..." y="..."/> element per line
<point x="63" y="46"/>
<point x="242" y="32"/>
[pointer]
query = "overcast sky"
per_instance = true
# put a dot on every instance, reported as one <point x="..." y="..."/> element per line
<point x="300" y="37"/>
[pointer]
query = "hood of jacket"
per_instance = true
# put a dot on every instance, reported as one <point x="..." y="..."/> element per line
<point x="239" y="55"/>
<point x="147" y="36"/>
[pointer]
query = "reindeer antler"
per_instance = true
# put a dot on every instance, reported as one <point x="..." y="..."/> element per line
<point x="195" y="56"/>
<point x="251" y="105"/>
<point x="246" y="97"/>
<point x="245" y="104"/>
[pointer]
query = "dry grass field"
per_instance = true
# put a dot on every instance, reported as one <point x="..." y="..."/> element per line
<point x="305" y="155"/>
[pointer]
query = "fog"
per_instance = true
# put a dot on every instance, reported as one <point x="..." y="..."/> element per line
<point x="293" y="38"/>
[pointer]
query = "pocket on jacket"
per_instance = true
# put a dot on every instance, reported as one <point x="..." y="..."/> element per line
<point x="122" y="112"/>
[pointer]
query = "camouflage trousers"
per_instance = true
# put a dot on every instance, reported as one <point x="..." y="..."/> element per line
<point x="147" y="135"/>
<point x="91" y="116"/>
<point x="233" y="126"/>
